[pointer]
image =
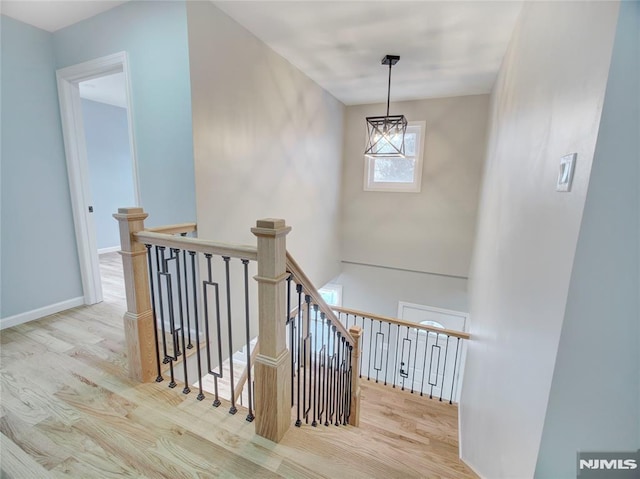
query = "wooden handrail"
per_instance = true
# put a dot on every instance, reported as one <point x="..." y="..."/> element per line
<point x="174" y="229"/>
<point x="301" y="278"/>
<point x="197" y="244"/>
<point x="245" y="374"/>
<point x="400" y="322"/>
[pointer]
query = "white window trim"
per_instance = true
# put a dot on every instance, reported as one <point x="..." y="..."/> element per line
<point x="395" y="187"/>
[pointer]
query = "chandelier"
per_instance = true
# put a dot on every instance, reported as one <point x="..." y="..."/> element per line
<point x="385" y="134"/>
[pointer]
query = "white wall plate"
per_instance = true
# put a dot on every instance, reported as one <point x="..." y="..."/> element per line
<point x="565" y="175"/>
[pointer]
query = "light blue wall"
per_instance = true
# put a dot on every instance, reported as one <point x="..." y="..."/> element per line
<point x="154" y="34"/>
<point x="594" y="403"/>
<point x="39" y="259"/>
<point x="34" y="185"/>
<point x="110" y="170"/>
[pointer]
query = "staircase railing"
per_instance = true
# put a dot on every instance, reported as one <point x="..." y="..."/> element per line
<point x="324" y="357"/>
<point x="420" y="358"/>
<point x="181" y="306"/>
<point x="188" y="288"/>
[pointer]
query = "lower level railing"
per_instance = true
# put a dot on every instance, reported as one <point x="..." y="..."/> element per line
<point x="422" y="359"/>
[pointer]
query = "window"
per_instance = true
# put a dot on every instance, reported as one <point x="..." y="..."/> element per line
<point x="398" y="174"/>
<point x="332" y="294"/>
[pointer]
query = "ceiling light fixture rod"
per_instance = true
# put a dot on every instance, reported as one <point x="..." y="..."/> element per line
<point x="389" y="90"/>
<point x="389" y="60"/>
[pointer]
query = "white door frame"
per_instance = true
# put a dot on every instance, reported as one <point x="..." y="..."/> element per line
<point x="77" y="165"/>
<point x="450" y="312"/>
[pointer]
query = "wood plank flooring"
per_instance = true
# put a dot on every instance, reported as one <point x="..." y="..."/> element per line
<point x="67" y="409"/>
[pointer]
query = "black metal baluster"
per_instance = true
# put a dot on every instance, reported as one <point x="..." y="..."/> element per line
<point x="332" y="383"/>
<point x="314" y="365"/>
<point x="370" y="342"/>
<point x="209" y="282"/>
<point x="299" y="337"/>
<point x="337" y="379"/>
<point x="175" y="344"/>
<point x="454" y="371"/>
<point x="444" y="367"/>
<point x="345" y="386"/>
<point x="342" y="381"/>
<point x="323" y="368"/>
<point x="186" y="389"/>
<point x="349" y="381"/>
<point x="305" y="409"/>
<point x="233" y="408"/>
<point x="347" y="395"/>
<point x="290" y="323"/>
<point x="186" y="301"/>
<point x="153" y="312"/>
<point x="415" y="357"/>
<point x="405" y="374"/>
<point x="375" y="354"/>
<point x="437" y="366"/>
<point x="219" y="374"/>
<point x="424" y="362"/>
<point x="167" y="359"/>
<point x="355" y="321"/>
<point x="194" y="288"/>
<point x="327" y="371"/>
<point x="250" y="416"/>
<point x="395" y="364"/>
<point x="386" y="368"/>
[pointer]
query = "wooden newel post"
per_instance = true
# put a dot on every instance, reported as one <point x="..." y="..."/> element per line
<point x="354" y="416"/>
<point x="138" y="320"/>
<point x="272" y="365"/>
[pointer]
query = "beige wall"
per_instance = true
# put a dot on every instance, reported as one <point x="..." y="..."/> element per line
<point x="378" y="290"/>
<point x="546" y="103"/>
<point x="431" y="231"/>
<point x="267" y="143"/>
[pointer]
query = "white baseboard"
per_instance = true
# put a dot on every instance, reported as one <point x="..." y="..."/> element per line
<point x="40" y="312"/>
<point x="110" y="249"/>
<point x="472" y="467"/>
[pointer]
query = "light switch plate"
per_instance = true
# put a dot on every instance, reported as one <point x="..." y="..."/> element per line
<point x="565" y="175"/>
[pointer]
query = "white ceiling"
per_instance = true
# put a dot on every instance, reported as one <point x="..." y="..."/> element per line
<point x="110" y="89"/>
<point x="52" y="15"/>
<point x="447" y="48"/>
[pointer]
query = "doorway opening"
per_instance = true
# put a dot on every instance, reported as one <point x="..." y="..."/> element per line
<point x="95" y="108"/>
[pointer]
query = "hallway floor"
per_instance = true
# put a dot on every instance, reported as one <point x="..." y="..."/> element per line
<point x="69" y="410"/>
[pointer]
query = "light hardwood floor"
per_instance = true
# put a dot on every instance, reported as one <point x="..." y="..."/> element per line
<point x="67" y="409"/>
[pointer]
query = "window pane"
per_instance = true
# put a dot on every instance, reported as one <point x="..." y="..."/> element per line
<point x="410" y="144"/>
<point x="328" y="296"/>
<point x="389" y="146"/>
<point x="394" y="170"/>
